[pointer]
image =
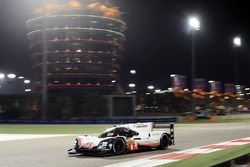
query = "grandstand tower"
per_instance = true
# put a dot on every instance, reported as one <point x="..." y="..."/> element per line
<point x="80" y="43"/>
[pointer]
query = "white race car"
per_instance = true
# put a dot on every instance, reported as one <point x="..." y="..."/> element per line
<point x="125" y="138"/>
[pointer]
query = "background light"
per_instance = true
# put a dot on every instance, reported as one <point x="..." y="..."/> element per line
<point x="151" y="87"/>
<point x="27" y="90"/>
<point x="26" y="81"/>
<point x="157" y="90"/>
<point x="132" y="72"/>
<point x="2" y="76"/>
<point x="172" y="75"/>
<point x="194" y="23"/>
<point x="21" y="77"/>
<point x="237" y="42"/>
<point x="11" y="76"/>
<point x="131" y="85"/>
<point x="211" y="81"/>
<point x="170" y="89"/>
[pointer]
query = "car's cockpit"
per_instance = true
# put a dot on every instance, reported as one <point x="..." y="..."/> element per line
<point x="119" y="131"/>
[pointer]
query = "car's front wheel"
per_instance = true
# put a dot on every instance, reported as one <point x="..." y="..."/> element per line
<point x="119" y="146"/>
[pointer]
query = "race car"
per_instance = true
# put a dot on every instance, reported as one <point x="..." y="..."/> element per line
<point x="124" y="138"/>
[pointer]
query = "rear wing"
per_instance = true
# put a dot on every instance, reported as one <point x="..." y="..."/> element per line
<point x="171" y="130"/>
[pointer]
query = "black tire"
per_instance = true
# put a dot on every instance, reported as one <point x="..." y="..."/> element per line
<point x="119" y="146"/>
<point x="164" y="142"/>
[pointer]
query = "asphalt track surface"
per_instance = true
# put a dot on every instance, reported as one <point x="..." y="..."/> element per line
<point x="52" y="152"/>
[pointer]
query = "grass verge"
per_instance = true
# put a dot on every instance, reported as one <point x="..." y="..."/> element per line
<point x="52" y="129"/>
<point x="82" y="129"/>
<point x="212" y="158"/>
<point x="233" y="120"/>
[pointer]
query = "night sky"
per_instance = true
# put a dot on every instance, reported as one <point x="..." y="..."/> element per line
<point x="158" y="42"/>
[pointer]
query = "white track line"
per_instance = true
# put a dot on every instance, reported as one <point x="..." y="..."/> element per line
<point x="13" y="137"/>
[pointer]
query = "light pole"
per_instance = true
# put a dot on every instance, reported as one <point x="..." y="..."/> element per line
<point x="133" y="73"/>
<point x="236" y="44"/>
<point x="11" y="83"/>
<point x="151" y="88"/>
<point x="2" y="76"/>
<point x="194" y="24"/>
<point x="44" y="66"/>
<point x="132" y="88"/>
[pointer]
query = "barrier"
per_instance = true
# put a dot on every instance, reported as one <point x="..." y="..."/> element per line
<point x="86" y="121"/>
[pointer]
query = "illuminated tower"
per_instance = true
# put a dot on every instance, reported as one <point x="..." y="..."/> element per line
<point x="82" y="42"/>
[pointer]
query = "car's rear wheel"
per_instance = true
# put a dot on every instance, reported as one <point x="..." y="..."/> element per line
<point x="164" y="142"/>
<point x="119" y="146"/>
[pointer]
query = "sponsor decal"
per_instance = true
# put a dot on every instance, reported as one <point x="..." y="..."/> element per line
<point x="87" y="145"/>
<point x="132" y="145"/>
<point x="140" y="125"/>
